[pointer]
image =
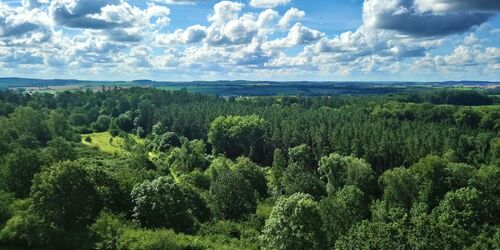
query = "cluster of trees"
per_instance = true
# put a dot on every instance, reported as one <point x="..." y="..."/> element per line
<point x="247" y="173"/>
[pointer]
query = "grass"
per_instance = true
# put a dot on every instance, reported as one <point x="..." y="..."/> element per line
<point x="106" y="143"/>
<point x="487" y="107"/>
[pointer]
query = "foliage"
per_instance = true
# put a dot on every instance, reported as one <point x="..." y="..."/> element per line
<point x="28" y="122"/>
<point x="300" y="172"/>
<point x="338" y="171"/>
<point x="460" y="215"/>
<point x="253" y="173"/>
<point x="236" y="135"/>
<point x="60" y="150"/>
<point x="162" y="203"/>
<point x="21" y="166"/>
<point x="300" y="176"/>
<point x="374" y="235"/>
<point x="107" y="230"/>
<point x="342" y="210"/>
<point x="231" y="196"/>
<point x="163" y="142"/>
<point x="5" y="200"/>
<point x="102" y="123"/>
<point x="277" y="170"/>
<point x="140" y="239"/>
<point x="294" y="224"/>
<point x="68" y="196"/>
<point x="399" y="187"/>
<point x="190" y="156"/>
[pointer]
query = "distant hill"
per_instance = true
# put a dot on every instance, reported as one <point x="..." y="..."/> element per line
<point x="15" y="82"/>
<point x="31" y="82"/>
<point x="243" y="87"/>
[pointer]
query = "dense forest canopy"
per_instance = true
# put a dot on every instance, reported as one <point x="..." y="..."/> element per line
<point x="151" y="169"/>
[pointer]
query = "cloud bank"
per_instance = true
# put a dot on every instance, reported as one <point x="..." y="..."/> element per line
<point x="247" y="39"/>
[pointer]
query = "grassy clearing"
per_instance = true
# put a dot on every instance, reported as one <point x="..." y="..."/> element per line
<point x="487" y="107"/>
<point x="107" y="143"/>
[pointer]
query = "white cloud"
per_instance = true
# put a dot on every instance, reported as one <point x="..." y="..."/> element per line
<point x="225" y="11"/>
<point x="298" y="35"/>
<point x="293" y="14"/>
<point x="24" y="25"/>
<point x="471" y="39"/>
<point x="31" y="4"/>
<point x="115" y="18"/>
<point x="101" y="37"/>
<point x="461" y="58"/>
<point x="181" y="2"/>
<point x="192" y="34"/>
<point x="229" y="28"/>
<point x="268" y="3"/>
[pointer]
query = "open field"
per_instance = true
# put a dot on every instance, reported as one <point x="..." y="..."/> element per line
<point x="107" y="143"/>
<point x="488" y="107"/>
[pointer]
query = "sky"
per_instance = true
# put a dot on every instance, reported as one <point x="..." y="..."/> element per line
<point x="279" y="40"/>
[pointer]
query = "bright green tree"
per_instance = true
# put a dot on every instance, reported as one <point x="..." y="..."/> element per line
<point x="399" y="187"/>
<point x="162" y="203"/>
<point x="338" y="171"/>
<point x="21" y="167"/>
<point x="236" y="135"/>
<point x="66" y="196"/>
<point x="277" y="171"/>
<point x="342" y="210"/>
<point x="253" y="173"/>
<point x="295" y="223"/>
<point x="231" y="195"/>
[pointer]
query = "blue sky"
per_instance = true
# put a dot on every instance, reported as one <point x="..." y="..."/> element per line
<point x="182" y="40"/>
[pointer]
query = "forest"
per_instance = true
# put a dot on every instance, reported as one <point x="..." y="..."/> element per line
<point x="144" y="168"/>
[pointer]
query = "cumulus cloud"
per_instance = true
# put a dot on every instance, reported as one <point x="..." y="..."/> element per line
<point x="177" y="1"/>
<point x="99" y="36"/>
<point x="446" y="6"/>
<point x="268" y="3"/>
<point x="298" y="35"/>
<point x="116" y="19"/>
<point x="24" y="25"/>
<point x="291" y="15"/>
<point x="403" y="16"/>
<point x="82" y="13"/>
<point x="230" y="28"/>
<point x="104" y="14"/>
<point x="460" y="61"/>
<point x="192" y="34"/>
<point x="34" y="3"/>
<point x="87" y="51"/>
<point x="225" y="11"/>
<point x="14" y="57"/>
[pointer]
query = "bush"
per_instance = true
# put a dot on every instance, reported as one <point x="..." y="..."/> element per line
<point x="26" y="228"/>
<point x="107" y="230"/>
<point x="140" y="239"/>
<point x="5" y="200"/>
